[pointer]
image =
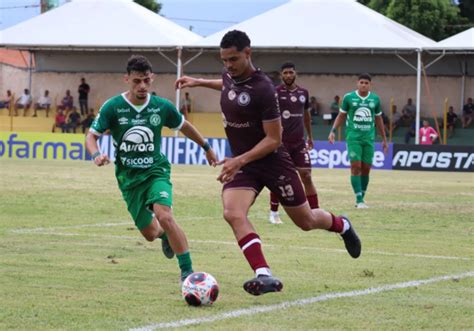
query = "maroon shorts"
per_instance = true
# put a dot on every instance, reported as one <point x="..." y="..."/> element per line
<point x="299" y="154"/>
<point x="277" y="172"/>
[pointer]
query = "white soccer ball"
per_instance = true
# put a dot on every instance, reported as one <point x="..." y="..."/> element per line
<point x="433" y="136"/>
<point x="200" y="288"/>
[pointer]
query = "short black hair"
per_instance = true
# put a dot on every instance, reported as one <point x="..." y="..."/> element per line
<point x="365" y="76"/>
<point x="138" y="63"/>
<point x="287" y="65"/>
<point x="235" y="38"/>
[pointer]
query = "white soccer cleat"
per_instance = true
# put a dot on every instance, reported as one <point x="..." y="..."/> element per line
<point x="361" y="205"/>
<point x="274" y="218"/>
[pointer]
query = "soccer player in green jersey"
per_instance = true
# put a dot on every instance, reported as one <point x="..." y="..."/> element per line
<point x="361" y="111"/>
<point x="135" y="119"/>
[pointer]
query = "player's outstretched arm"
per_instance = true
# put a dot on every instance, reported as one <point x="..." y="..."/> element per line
<point x="192" y="133"/>
<point x="341" y="118"/>
<point x="91" y="145"/>
<point x="187" y="81"/>
<point x="381" y="129"/>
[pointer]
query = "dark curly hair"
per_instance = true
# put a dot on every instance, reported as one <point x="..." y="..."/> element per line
<point x="235" y="38"/>
<point x="138" y="63"/>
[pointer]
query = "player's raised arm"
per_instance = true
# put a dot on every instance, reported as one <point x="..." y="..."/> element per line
<point x="187" y="81"/>
<point x="192" y="133"/>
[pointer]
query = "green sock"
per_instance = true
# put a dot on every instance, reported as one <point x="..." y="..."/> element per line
<point x="356" y="186"/>
<point x="163" y="236"/>
<point x="364" y="182"/>
<point x="185" y="263"/>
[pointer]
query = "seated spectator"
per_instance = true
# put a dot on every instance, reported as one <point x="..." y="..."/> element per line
<point x="408" y="112"/>
<point x="451" y="119"/>
<point x="23" y="102"/>
<point x="73" y="120"/>
<point x="186" y="105"/>
<point x="467" y="113"/>
<point x="44" y="102"/>
<point x="60" y="121"/>
<point x="396" y="118"/>
<point x="67" y="102"/>
<point x="428" y="135"/>
<point x="335" y="107"/>
<point x="313" y="106"/>
<point x="87" y="122"/>
<point x="5" y="102"/>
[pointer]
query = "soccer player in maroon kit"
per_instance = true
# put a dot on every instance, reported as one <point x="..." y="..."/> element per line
<point x="252" y="124"/>
<point x="295" y="118"/>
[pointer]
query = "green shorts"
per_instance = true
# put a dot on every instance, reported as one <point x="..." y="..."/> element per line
<point x="141" y="198"/>
<point x="360" y="150"/>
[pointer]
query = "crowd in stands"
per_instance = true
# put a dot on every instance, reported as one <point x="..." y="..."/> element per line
<point x="67" y="118"/>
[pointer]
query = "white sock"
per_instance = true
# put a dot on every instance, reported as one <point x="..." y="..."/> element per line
<point x="263" y="272"/>
<point x="274" y="213"/>
<point x="346" y="226"/>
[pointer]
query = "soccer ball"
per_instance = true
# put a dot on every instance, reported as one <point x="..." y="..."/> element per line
<point x="200" y="288"/>
<point x="433" y="136"/>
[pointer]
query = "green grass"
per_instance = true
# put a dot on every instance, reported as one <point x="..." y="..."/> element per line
<point x="71" y="259"/>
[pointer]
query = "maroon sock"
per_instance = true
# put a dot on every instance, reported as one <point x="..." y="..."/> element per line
<point x="273" y="202"/>
<point x="313" y="201"/>
<point x="337" y="224"/>
<point x="251" y="246"/>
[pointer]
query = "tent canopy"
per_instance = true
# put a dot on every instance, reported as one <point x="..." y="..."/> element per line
<point x="324" y="24"/>
<point x="463" y="41"/>
<point x="92" y="24"/>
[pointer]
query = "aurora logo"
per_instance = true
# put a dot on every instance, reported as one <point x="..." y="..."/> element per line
<point x="138" y="139"/>
<point x="363" y="115"/>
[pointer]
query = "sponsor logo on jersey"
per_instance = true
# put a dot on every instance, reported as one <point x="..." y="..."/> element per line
<point x="243" y="99"/>
<point x="231" y="95"/>
<point x="302" y="99"/>
<point x="286" y="114"/>
<point x="123" y="121"/>
<point x="234" y="124"/>
<point x="363" y="114"/>
<point x="153" y="110"/>
<point x="164" y="194"/>
<point x="371" y="104"/>
<point x="139" y="121"/>
<point x="137" y="139"/>
<point x="293" y="98"/>
<point x="123" y="110"/>
<point x="155" y="119"/>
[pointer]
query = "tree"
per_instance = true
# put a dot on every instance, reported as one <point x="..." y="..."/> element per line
<point x="150" y="4"/>
<point x="467" y="10"/>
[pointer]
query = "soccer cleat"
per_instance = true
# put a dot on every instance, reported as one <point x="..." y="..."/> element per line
<point x="185" y="275"/>
<point x="263" y="284"/>
<point x="361" y="205"/>
<point x="351" y="241"/>
<point x="275" y="218"/>
<point x="166" y="248"/>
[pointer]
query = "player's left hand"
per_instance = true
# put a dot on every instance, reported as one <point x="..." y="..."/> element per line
<point x="385" y="147"/>
<point x="229" y="170"/>
<point x="309" y="144"/>
<point x="211" y="157"/>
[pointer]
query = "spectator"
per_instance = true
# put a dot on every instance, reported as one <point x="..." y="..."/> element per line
<point x="60" y="121"/>
<point x="84" y="90"/>
<point x="73" y="120"/>
<point x="313" y="106"/>
<point x="335" y="107"/>
<point x="428" y="135"/>
<point x="396" y="118"/>
<point x="67" y="102"/>
<point x="87" y="122"/>
<point x="5" y="102"/>
<point x="44" y="102"/>
<point x="451" y="119"/>
<point x="186" y="105"/>
<point x="410" y="132"/>
<point x="23" y="102"/>
<point x="467" y="113"/>
<point x="408" y="112"/>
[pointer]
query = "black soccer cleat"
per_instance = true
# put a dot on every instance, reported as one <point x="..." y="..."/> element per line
<point x="263" y="284"/>
<point x="166" y="248"/>
<point x="351" y="241"/>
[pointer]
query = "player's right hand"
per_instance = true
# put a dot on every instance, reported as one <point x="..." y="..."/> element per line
<point x="332" y="137"/>
<point x="101" y="160"/>
<point x="185" y="81"/>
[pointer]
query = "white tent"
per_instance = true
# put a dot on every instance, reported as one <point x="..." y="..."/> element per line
<point x="92" y="24"/>
<point x="325" y="24"/>
<point x="461" y="41"/>
<point x="331" y="26"/>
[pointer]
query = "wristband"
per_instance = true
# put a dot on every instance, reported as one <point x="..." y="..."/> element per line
<point x="206" y="146"/>
<point x="95" y="155"/>
<point x="333" y="129"/>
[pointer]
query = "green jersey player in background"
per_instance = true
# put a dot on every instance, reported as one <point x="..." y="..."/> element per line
<point x="361" y="111"/>
<point x="135" y="119"/>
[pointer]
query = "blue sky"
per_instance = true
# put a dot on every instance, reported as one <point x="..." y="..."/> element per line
<point x="204" y="17"/>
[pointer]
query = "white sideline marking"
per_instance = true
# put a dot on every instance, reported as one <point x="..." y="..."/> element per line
<point x="52" y="231"/>
<point x="300" y="302"/>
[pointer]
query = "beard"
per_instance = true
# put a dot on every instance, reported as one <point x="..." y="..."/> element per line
<point x="289" y="81"/>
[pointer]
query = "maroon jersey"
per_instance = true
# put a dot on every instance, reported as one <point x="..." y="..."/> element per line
<point x="246" y="105"/>
<point x="293" y="104"/>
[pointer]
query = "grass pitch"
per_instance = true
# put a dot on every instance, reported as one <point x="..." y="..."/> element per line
<point x="71" y="259"/>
